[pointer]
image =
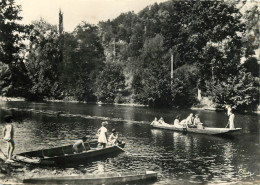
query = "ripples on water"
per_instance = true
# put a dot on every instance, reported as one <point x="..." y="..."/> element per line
<point x="178" y="158"/>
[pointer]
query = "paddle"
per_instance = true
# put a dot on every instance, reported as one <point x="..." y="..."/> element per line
<point x="227" y="124"/>
<point x="122" y="149"/>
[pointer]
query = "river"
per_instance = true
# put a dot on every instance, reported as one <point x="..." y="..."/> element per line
<point x="178" y="158"/>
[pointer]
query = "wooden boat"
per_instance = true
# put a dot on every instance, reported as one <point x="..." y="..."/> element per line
<point x="104" y="178"/>
<point x="205" y="130"/>
<point x="65" y="154"/>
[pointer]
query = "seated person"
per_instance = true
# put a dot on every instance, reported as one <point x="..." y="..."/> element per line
<point x="161" y="121"/>
<point x="155" y="121"/>
<point x="183" y="123"/>
<point x="113" y="138"/>
<point x="197" y="121"/>
<point x="78" y="144"/>
<point x="189" y="120"/>
<point x="177" y="122"/>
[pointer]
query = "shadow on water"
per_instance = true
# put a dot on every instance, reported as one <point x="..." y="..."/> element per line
<point x="87" y="162"/>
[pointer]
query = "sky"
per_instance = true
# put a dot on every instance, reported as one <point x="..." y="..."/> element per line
<point x="76" y="11"/>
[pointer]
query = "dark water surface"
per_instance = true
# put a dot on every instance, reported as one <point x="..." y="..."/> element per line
<point x="178" y="158"/>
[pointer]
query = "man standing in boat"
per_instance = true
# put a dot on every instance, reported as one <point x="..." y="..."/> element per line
<point x="231" y="116"/>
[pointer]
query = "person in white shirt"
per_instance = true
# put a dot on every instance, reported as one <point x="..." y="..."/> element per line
<point x="177" y="122"/>
<point x="155" y="121"/>
<point x="162" y="122"/>
<point x="188" y="121"/>
<point x="197" y="122"/>
<point x="231" y="116"/>
<point x="113" y="137"/>
<point x="102" y="135"/>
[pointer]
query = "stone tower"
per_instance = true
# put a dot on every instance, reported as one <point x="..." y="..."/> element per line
<point x="60" y="22"/>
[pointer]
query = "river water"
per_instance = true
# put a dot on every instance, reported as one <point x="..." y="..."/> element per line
<point x="178" y="158"/>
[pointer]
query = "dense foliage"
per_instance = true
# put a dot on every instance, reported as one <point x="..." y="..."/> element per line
<point x="109" y="83"/>
<point x="43" y="61"/>
<point x="13" y="77"/>
<point x="83" y="59"/>
<point x="128" y="59"/>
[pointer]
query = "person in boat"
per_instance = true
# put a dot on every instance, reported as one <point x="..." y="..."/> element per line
<point x="155" y="121"/>
<point x="197" y="122"/>
<point x="8" y="133"/>
<point x="79" y="143"/>
<point x="177" y="122"/>
<point x="188" y="122"/>
<point x="162" y="122"/>
<point x="102" y="135"/>
<point x="113" y="138"/>
<point x="231" y="117"/>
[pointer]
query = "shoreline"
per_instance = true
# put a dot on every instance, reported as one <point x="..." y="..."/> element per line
<point x="196" y="107"/>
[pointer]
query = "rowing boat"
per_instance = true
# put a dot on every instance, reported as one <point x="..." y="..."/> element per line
<point x="204" y="130"/>
<point x="64" y="154"/>
<point x="103" y="178"/>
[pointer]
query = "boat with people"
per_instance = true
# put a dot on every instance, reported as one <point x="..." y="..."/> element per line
<point x="66" y="154"/>
<point x="102" y="178"/>
<point x="202" y="130"/>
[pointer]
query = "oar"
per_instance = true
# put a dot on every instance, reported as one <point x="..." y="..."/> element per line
<point x="122" y="149"/>
<point x="227" y="124"/>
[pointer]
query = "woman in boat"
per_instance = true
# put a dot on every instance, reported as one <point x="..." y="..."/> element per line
<point x="231" y="116"/>
<point x="177" y="122"/>
<point x="155" y="121"/>
<point x="197" y="122"/>
<point x="113" y="137"/>
<point x="102" y="135"/>
<point x="78" y="144"/>
<point x="162" y="122"/>
<point x="8" y="133"/>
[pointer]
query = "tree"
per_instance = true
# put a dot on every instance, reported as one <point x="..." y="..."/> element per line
<point x="184" y="86"/>
<point x="44" y="61"/>
<point x="155" y="74"/>
<point x="239" y="91"/>
<point x="110" y="82"/>
<point x="252" y="33"/>
<point x="83" y="59"/>
<point x="14" y="81"/>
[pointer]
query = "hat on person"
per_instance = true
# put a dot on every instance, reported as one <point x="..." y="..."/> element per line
<point x="113" y="130"/>
<point x="196" y="114"/>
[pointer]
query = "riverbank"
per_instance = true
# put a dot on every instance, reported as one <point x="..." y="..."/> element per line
<point x="2" y="98"/>
<point x="202" y="106"/>
<point x="8" y="171"/>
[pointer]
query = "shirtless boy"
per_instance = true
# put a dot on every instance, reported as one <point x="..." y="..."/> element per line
<point x="8" y="133"/>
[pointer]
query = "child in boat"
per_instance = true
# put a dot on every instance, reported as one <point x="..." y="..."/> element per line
<point x="155" y="121"/>
<point x="102" y="135"/>
<point x="78" y="144"/>
<point x="8" y="133"/>
<point x="197" y="122"/>
<point x="113" y="138"/>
